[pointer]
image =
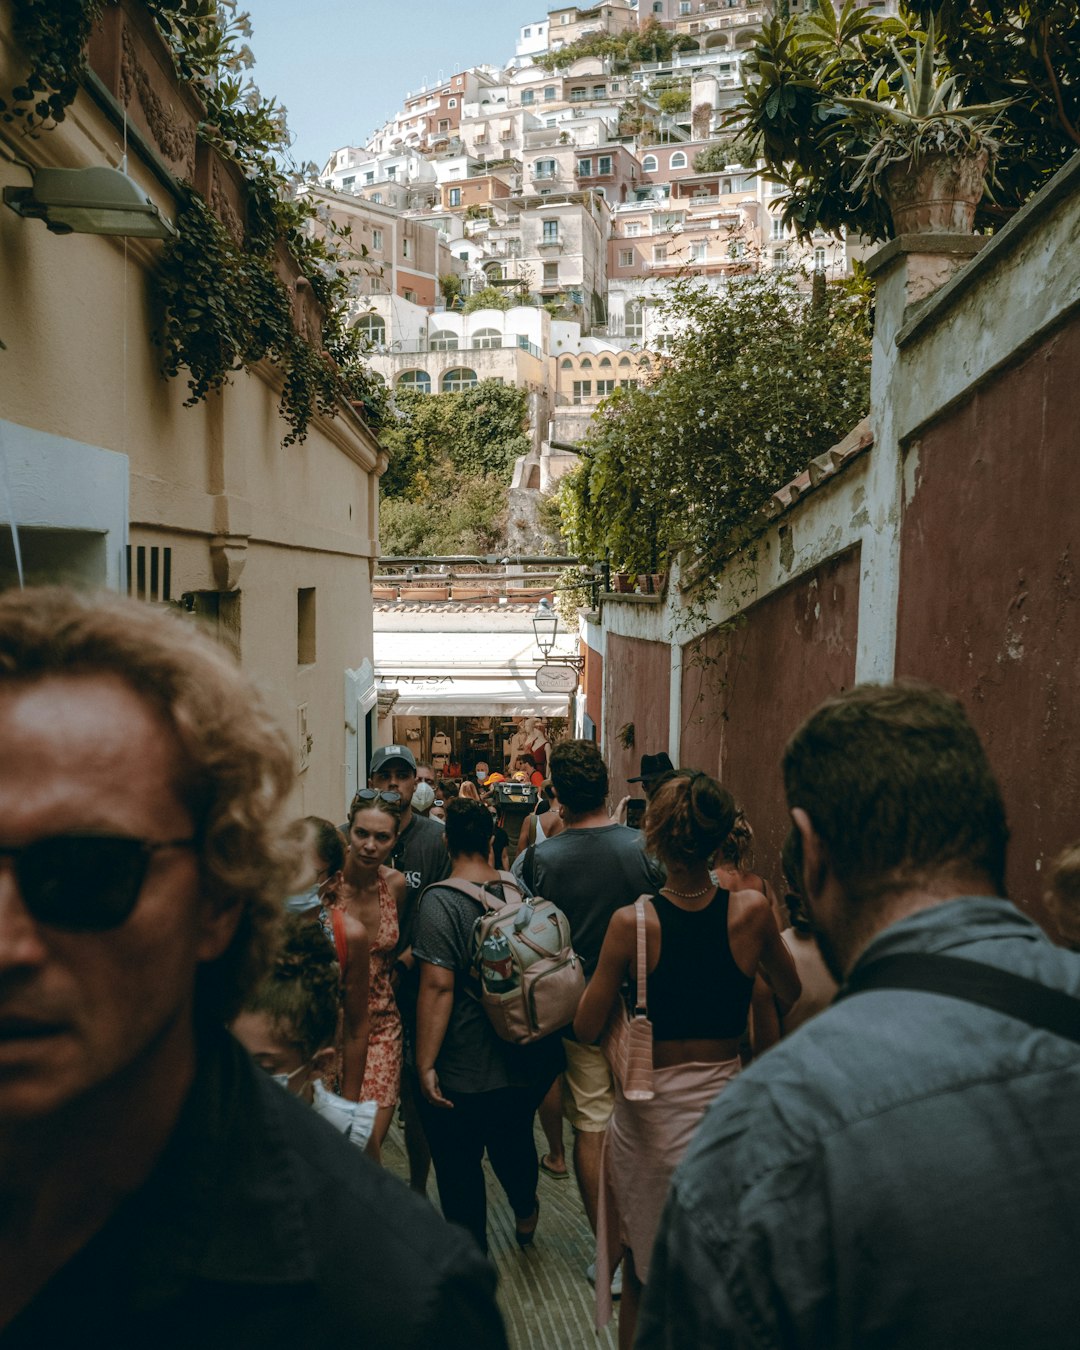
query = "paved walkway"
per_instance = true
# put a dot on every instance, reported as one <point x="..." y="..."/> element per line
<point x="543" y="1293"/>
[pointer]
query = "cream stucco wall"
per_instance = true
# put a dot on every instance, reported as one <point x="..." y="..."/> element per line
<point x="248" y="521"/>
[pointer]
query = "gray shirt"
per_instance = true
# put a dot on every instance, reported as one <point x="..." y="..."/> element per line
<point x="472" y="1057"/>
<point x="590" y="874"/>
<point x="420" y="854"/>
<point x="903" y="1172"/>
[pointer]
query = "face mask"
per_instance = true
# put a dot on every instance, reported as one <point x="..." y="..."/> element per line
<point x="300" y="904"/>
<point x="285" y="1079"/>
<point x="423" y="797"/>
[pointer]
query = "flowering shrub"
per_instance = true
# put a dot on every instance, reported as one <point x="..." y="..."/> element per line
<point x="760" y="379"/>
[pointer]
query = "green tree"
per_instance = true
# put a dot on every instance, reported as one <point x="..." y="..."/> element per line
<point x="760" y="380"/>
<point x="488" y="297"/>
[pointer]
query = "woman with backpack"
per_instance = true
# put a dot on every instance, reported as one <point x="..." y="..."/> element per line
<point x="479" y="1092"/>
<point x="701" y="949"/>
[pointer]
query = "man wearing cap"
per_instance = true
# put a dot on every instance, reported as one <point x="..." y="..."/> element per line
<point x="420" y="855"/>
<point x="655" y="770"/>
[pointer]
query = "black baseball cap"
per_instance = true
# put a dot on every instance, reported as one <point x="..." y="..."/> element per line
<point x="386" y="753"/>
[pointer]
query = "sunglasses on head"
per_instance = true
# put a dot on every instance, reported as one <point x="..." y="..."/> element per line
<point x="85" y="883"/>
<point x="374" y="795"/>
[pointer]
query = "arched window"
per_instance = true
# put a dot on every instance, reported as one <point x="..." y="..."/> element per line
<point x="419" y="380"/>
<point x="586" y="364"/>
<point x="487" y="337"/>
<point x="372" y="327"/>
<point x="567" y="364"/>
<point x="605" y="362"/>
<point x="635" y="319"/>
<point x="625" y="363"/>
<point x="644" y="363"/>
<point x="678" y="160"/>
<point x="649" y="164"/>
<point x="454" y="381"/>
<point x="444" y="341"/>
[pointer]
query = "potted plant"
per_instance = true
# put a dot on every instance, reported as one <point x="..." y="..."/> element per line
<point x="858" y="119"/>
<point x="930" y="157"/>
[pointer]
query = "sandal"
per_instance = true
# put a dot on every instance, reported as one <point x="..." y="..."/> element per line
<point x="552" y="1171"/>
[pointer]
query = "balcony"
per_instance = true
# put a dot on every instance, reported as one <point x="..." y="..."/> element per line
<point x="549" y="245"/>
<point x="423" y="347"/>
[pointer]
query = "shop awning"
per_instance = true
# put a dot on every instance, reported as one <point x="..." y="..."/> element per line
<point x="448" y="696"/>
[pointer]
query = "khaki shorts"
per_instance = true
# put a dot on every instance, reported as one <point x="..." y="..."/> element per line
<point x="589" y="1095"/>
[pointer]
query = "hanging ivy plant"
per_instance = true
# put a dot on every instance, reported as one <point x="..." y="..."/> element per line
<point x="225" y="306"/>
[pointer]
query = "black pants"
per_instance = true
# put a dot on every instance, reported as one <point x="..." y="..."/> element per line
<point x="500" y="1122"/>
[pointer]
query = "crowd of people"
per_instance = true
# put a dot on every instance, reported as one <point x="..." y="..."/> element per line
<point x="842" y="1115"/>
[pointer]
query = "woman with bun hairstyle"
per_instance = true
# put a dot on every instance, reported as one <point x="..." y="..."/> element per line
<point x="704" y="946"/>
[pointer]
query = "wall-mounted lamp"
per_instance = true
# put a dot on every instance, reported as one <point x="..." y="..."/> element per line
<point x="545" y="626"/>
<point x="89" y="201"/>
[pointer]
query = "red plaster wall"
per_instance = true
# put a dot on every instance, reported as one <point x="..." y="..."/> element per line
<point x="745" y="692"/>
<point x="639" y="691"/>
<point x="990" y="606"/>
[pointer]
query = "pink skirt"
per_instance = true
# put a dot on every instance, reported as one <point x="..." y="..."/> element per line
<point x="643" y="1144"/>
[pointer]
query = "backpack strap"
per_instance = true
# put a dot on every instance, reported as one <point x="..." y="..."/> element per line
<point x="480" y="893"/>
<point x="975" y="982"/>
<point x="641" y="1006"/>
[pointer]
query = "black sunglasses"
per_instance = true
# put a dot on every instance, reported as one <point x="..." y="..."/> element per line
<point x="85" y="883"/>
<point x="374" y="795"/>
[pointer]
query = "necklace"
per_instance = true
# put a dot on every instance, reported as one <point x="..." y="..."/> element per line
<point x="688" y="895"/>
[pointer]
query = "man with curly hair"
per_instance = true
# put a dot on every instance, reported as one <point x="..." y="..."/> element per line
<point x="156" y="1188"/>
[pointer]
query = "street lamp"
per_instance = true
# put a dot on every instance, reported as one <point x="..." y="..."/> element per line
<point x="545" y="626"/>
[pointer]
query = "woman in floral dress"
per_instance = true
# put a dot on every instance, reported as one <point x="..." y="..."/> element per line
<point x="374" y="894"/>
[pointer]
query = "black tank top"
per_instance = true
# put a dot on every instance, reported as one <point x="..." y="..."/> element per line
<point x="696" y="992"/>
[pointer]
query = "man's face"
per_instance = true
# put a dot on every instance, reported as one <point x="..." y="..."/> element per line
<point x="823" y="900"/>
<point x="396" y="776"/>
<point x="481" y="772"/>
<point x="86" y="754"/>
<point x="425" y="774"/>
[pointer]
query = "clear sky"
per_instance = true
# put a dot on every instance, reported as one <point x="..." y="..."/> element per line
<point x="342" y="67"/>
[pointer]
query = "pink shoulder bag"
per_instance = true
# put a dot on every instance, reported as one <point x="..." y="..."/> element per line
<point x="627" y="1041"/>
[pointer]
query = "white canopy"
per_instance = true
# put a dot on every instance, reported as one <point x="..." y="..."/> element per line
<point x="446" y="696"/>
<point x="440" y="674"/>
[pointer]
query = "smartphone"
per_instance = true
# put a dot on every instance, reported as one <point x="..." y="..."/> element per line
<point x="635" y="812"/>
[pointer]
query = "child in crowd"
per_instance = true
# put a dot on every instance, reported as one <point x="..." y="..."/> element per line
<point x="289" y="1023"/>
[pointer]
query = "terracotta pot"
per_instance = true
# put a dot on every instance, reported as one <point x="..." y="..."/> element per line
<point x="384" y="593"/>
<point x="471" y="593"/>
<point x="620" y="583"/>
<point x="657" y="581"/>
<point x="937" y="196"/>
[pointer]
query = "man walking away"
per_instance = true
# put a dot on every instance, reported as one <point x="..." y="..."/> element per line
<point x="903" y="1171"/>
<point x="156" y="1188"/>
<point x="590" y="870"/>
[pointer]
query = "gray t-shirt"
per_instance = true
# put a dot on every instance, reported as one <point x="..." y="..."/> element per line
<point x="472" y="1058"/>
<point x="420" y="854"/>
<point x="590" y="874"/>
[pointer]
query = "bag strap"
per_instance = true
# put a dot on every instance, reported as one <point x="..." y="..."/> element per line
<point x="975" y="982"/>
<point x="341" y="942"/>
<point x="480" y="893"/>
<point x="528" y="867"/>
<point x="641" y="1006"/>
